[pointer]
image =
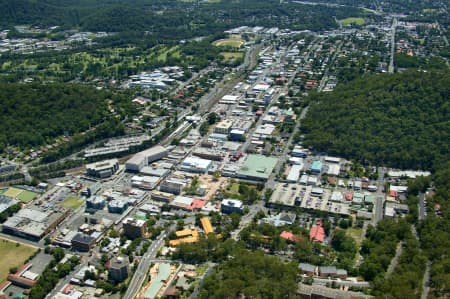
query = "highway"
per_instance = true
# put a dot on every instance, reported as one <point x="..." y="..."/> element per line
<point x="391" y="61"/>
<point x="143" y="267"/>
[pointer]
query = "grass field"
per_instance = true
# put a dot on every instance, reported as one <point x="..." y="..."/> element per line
<point x="356" y="234"/>
<point x="232" y="55"/>
<point x="73" y="202"/>
<point x="12" y="255"/>
<point x="229" y="42"/>
<point x="22" y="195"/>
<point x="352" y="21"/>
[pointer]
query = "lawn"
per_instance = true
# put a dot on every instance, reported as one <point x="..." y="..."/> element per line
<point x="352" y="21"/>
<point x="73" y="202"/>
<point x="229" y="42"/>
<point x="12" y="255"/>
<point x="356" y="234"/>
<point x="22" y="195"/>
<point x="232" y="55"/>
<point x="27" y="196"/>
<point x="13" y="192"/>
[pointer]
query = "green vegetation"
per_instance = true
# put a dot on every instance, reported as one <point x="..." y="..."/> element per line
<point x="435" y="234"/>
<point x="251" y="275"/>
<point x="73" y="202"/>
<point x="232" y="42"/>
<point x="49" y="278"/>
<point x="398" y="120"/>
<point x="352" y="21"/>
<point x="35" y="114"/>
<point x="13" y="255"/>
<point x="9" y="212"/>
<point x="20" y="194"/>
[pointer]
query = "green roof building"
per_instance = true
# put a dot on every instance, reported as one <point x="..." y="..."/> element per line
<point x="257" y="168"/>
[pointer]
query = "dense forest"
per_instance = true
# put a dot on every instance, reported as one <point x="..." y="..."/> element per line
<point x="169" y="18"/>
<point x="35" y="114"/>
<point x="251" y="275"/>
<point x="399" y="120"/>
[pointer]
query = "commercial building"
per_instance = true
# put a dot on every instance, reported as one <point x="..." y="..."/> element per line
<point x="142" y="159"/>
<point x="229" y="206"/>
<point x="118" y="268"/>
<point x="134" y="228"/>
<point x="257" y="167"/>
<point x="33" y="224"/>
<point x="144" y="182"/>
<point x="294" y="174"/>
<point x="223" y="127"/>
<point x="162" y="196"/>
<point x="316" y="166"/>
<point x="196" y="165"/>
<point x="103" y="169"/>
<point x="96" y="203"/>
<point x="117" y="206"/>
<point x="174" y="185"/>
<point x="82" y="242"/>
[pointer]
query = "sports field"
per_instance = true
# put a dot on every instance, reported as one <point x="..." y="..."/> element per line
<point x="12" y="255"/>
<point x="73" y="202"/>
<point x="232" y="55"/>
<point x="20" y="194"/>
<point x="352" y="21"/>
<point x="229" y="42"/>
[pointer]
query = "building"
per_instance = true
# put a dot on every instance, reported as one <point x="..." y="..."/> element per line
<point x="307" y="269"/>
<point x="223" y="127"/>
<point x="196" y="165"/>
<point x="294" y="174"/>
<point x="172" y="185"/>
<point x="162" y="196"/>
<point x="95" y="203"/>
<point x="103" y="169"/>
<point x="229" y="206"/>
<point x="316" y="166"/>
<point x="144" y="182"/>
<point x="33" y="224"/>
<point x="142" y="159"/>
<point x="134" y="228"/>
<point x="237" y="135"/>
<point x="82" y="242"/>
<point x="317" y="233"/>
<point x="117" y="206"/>
<point x="257" y="167"/>
<point x="394" y="209"/>
<point x="118" y="268"/>
<point x="280" y="219"/>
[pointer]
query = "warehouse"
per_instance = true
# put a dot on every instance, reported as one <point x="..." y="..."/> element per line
<point x="257" y="167"/>
<point x="142" y="159"/>
<point x="197" y="165"/>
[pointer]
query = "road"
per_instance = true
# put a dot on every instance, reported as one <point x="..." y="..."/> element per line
<point x="422" y="206"/>
<point x="394" y="261"/>
<point x="378" y="208"/>
<point x="391" y="61"/>
<point x="143" y="267"/>
<point x="426" y="279"/>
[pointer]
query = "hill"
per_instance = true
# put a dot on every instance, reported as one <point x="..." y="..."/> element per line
<point x="400" y="120"/>
<point x="34" y="114"/>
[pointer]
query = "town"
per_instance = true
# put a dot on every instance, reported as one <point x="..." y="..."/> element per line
<point x="220" y="157"/>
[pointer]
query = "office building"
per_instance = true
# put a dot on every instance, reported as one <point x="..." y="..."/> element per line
<point x="134" y="228"/>
<point x="142" y="159"/>
<point x="103" y="169"/>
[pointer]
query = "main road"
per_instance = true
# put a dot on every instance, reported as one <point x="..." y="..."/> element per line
<point x="391" y="60"/>
<point x="144" y="265"/>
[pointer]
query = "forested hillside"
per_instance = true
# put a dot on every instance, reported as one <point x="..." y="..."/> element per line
<point x="251" y="275"/>
<point x="400" y="120"/>
<point x="170" y="18"/>
<point x="33" y="114"/>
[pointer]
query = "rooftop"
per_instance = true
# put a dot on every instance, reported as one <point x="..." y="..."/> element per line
<point x="257" y="166"/>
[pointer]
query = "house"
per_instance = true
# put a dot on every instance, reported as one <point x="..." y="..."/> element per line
<point x="317" y="233"/>
<point x="307" y="269"/>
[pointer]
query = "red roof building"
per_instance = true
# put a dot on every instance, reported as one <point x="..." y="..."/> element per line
<point x="290" y="237"/>
<point x="317" y="233"/>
